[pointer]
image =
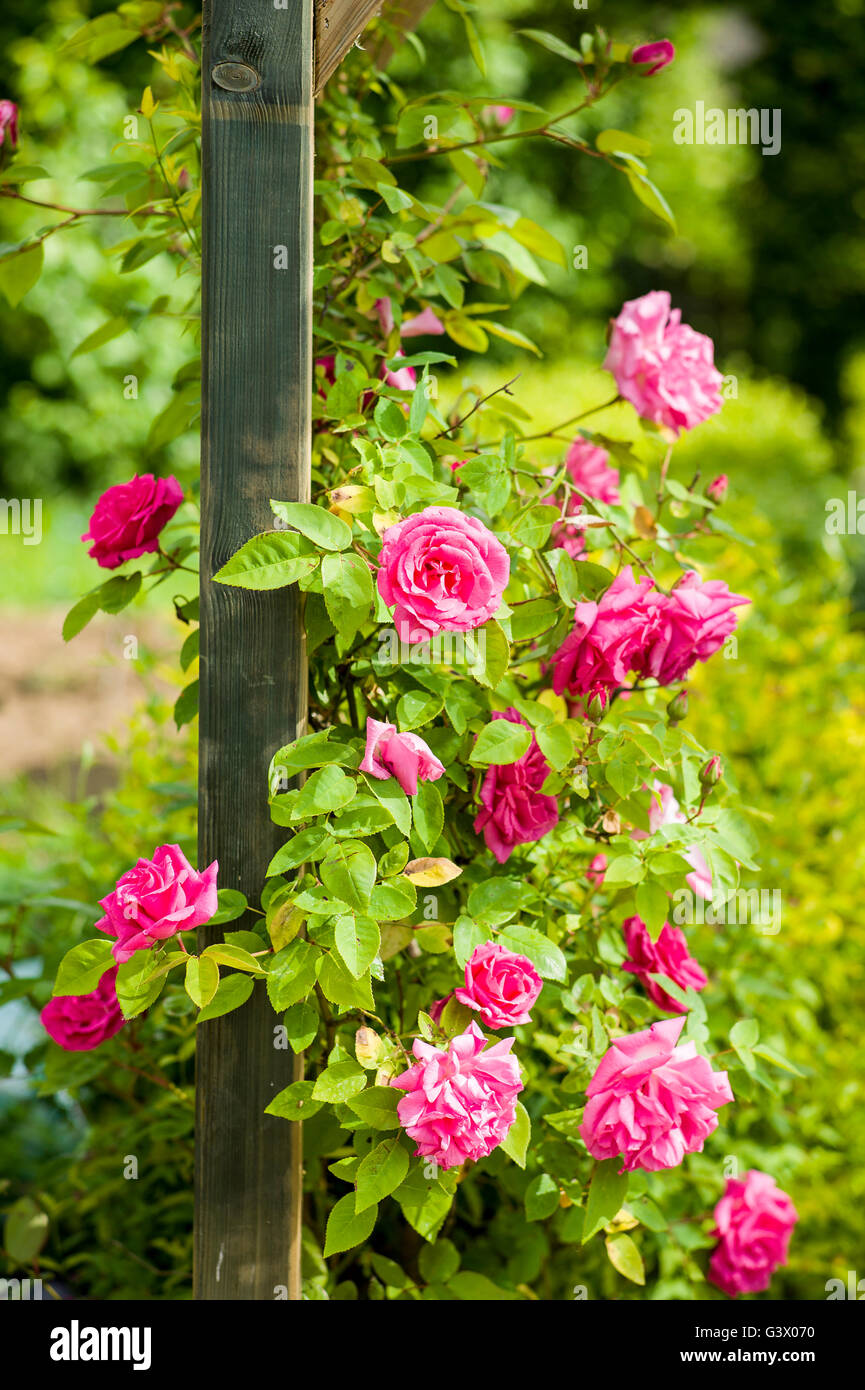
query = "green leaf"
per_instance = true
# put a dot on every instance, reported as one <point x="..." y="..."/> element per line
<point x="303" y="847"/>
<point x="269" y="561"/>
<point x="495" y="654"/>
<point x="552" y="44"/>
<point x="616" y="141"/>
<point x="19" y="273"/>
<point x="348" y="592"/>
<point x="626" y="1258"/>
<point x="650" y="196"/>
<point x="341" y="988"/>
<point x="376" y="1106"/>
<point x="346" y="1228"/>
<point x="607" y="1191"/>
<point x="544" y="955"/>
<point x="320" y="526"/>
<point x="556" y="744"/>
<point x="301" y="1026"/>
<point x="516" y="1142"/>
<point x="293" y="972"/>
<point x="202" y="979"/>
<point x="357" y="939"/>
<point x="231" y="904"/>
<point x="295" y="1102"/>
<point x="428" y="814"/>
<point x="500" y="742"/>
<point x="393" y="900"/>
<point x="348" y="873"/>
<point x="135" y="990"/>
<point x="339" y="1082"/>
<point x="395" y="801"/>
<point x="108" y="331"/>
<point x="380" y="1173"/>
<point x="231" y="992"/>
<point x="471" y="1287"/>
<point x="770" y="1054"/>
<point x="186" y="704"/>
<point x="417" y="707"/>
<point x="652" y="906"/>
<point x="224" y="953"/>
<point x="25" y="1231"/>
<point x="328" y="789"/>
<point x="439" y="1262"/>
<point x="82" y="968"/>
<point x="542" y="1198"/>
<point x="468" y="935"/>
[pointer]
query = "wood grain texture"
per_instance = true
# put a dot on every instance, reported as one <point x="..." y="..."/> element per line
<point x="338" y="23"/>
<point x="256" y="331"/>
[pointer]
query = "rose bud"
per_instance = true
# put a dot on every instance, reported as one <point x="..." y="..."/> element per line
<point x="8" y="131"/>
<point x="596" y="707"/>
<point x="711" y="774"/>
<point x="659" y="54"/>
<point x="717" y="489"/>
<point x="677" y="709"/>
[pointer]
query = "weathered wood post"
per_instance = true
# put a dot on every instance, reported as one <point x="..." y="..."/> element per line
<point x="257" y="364"/>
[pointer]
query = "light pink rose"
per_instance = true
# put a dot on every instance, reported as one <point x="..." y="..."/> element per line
<point x="690" y="624"/>
<point x="128" y="518"/>
<point x="502" y="115"/>
<point x="651" y="1101"/>
<point x="717" y="489"/>
<point x="666" y="956"/>
<point x="500" y="985"/>
<point x="667" y="812"/>
<point x="606" y="638"/>
<point x="753" y="1222"/>
<point x="592" y="476"/>
<point x="156" y="899"/>
<point x="403" y="756"/>
<point x="8" y="124"/>
<point x="659" y="53"/>
<point x="426" y="322"/>
<point x="514" y="811"/>
<point x="460" y="1103"/>
<point x="79" y="1022"/>
<point x="441" y="571"/>
<point x="663" y="367"/>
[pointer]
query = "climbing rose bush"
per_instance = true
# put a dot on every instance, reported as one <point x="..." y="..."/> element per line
<point x="496" y="802"/>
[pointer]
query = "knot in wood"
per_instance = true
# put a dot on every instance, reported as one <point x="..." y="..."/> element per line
<point x="236" y="77"/>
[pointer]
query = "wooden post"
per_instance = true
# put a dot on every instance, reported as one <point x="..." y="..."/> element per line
<point x="257" y="367"/>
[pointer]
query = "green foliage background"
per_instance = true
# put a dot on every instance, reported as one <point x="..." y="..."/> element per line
<point x="768" y="260"/>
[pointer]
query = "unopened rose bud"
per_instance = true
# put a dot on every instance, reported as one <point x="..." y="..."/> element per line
<point x="653" y="56"/>
<point x="677" y="709"/>
<point x="717" y="489"/>
<point x="596" y="707"/>
<point x="184" y="182"/>
<point x="712" y="772"/>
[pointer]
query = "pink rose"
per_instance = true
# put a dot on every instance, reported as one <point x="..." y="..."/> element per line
<point x="441" y="571"/>
<point x="659" y="54"/>
<point x="460" y="1103"/>
<point x="502" y="115"/>
<point x="437" y="1008"/>
<point x="79" y="1022"/>
<point x="590" y="472"/>
<point x="753" y="1221"/>
<point x="690" y="624"/>
<point x="651" y="1101"/>
<point x="514" y="810"/>
<point x="666" y="956"/>
<point x="668" y="812"/>
<point x="663" y="367"/>
<point x="426" y="322"/>
<point x="9" y="123"/>
<point x="157" y="899"/>
<point x="596" y="870"/>
<point x="128" y="518"/>
<point x="500" y="985"/>
<point x="606" y="638"/>
<point x="717" y="489"/>
<point x="403" y="756"/>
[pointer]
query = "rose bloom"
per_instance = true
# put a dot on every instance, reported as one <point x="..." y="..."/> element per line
<point x="666" y="956"/>
<point x="156" y="899"/>
<point x="691" y="623"/>
<point x="596" y="870"/>
<point x="500" y="985"/>
<point x="666" y="811"/>
<point x="606" y="637"/>
<point x="441" y="571"/>
<point x="590" y="472"/>
<point x="663" y="367"/>
<point x="460" y="1103"/>
<point x="128" y="518"/>
<point x="403" y="756"/>
<point x="8" y="124"/>
<point x="79" y="1022"/>
<point x="514" y="811"/>
<point x="659" y="53"/>
<point x="651" y="1101"/>
<point x="753" y="1221"/>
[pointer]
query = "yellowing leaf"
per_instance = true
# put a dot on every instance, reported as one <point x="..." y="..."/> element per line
<point x="431" y="873"/>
